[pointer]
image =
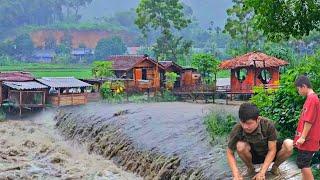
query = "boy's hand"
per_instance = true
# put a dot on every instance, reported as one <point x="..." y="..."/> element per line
<point x="259" y="176"/>
<point x="238" y="177"/>
<point x="300" y="141"/>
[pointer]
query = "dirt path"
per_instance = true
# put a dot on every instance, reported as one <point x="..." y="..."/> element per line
<point x="35" y="150"/>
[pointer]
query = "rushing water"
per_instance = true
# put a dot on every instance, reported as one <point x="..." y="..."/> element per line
<point x="33" y="149"/>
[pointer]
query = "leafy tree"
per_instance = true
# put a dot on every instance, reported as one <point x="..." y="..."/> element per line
<point x="110" y="46"/>
<point x="174" y="50"/>
<point x="171" y="78"/>
<point x="50" y="43"/>
<point x="207" y="66"/>
<point x="163" y="16"/>
<point x="76" y="5"/>
<point x="7" y="47"/>
<point x="65" y="45"/>
<point x="102" y="69"/>
<point x="283" y="19"/>
<point x="281" y="51"/>
<point x="16" y="13"/>
<point x="240" y="24"/>
<point x="23" y="45"/>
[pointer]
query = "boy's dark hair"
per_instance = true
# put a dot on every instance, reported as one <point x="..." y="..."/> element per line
<point x="302" y="80"/>
<point x="248" y="111"/>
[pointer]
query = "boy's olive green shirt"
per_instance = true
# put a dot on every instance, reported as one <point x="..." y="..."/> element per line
<point x="258" y="140"/>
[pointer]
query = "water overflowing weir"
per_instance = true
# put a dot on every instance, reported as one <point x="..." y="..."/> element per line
<point x="154" y="140"/>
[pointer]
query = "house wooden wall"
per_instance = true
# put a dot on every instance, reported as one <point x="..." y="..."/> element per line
<point x="152" y="74"/>
<point x="248" y="83"/>
<point x="190" y="78"/>
<point x="68" y="99"/>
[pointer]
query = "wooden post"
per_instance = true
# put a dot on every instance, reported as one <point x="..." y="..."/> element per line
<point x="20" y="103"/>
<point x="44" y="98"/>
<point x="255" y="72"/>
<point x="58" y="96"/>
<point x="0" y="93"/>
<point x="72" y="99"/>
<point x="226" y="98"/>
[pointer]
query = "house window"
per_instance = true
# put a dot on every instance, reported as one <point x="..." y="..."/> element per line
<point x="241" y="74"/>
<point x="265" y="76"/>
<point x="144" y="74"/>
<point x="130" y="74"/>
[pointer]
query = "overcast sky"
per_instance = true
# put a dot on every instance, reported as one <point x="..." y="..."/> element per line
<point x="204" y="10"/>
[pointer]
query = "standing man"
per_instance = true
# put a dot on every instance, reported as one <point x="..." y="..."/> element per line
<point x="307" y="134"/>
<point x="254" y="139"/>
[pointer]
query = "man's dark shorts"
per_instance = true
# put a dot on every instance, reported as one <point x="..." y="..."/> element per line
<point x="304" y="159"/>
<point x="256" y="159"/>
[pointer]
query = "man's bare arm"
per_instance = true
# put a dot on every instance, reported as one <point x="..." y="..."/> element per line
<point x="306" y="128"/>
<point x="272" y="146"/>
<point x="232" y="163"/>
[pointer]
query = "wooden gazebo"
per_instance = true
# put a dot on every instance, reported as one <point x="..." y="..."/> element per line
<point x="253" y="69"/>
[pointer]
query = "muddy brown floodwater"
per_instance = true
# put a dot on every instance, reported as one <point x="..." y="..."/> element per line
<point x="117" y="142"/>
<point x="33" y="149"/>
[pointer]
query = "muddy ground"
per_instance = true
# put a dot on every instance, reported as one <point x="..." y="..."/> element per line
<point x="155" y="140"/>
<point x="33" y="149"/>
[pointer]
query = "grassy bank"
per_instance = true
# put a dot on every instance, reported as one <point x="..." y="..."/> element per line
<point x="51" y="70"/>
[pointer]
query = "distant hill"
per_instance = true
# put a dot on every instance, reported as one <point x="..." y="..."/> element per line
<point x="204" y="10"/>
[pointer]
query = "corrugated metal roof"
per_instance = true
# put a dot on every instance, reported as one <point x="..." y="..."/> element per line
<point x="249" y="58"/>
<point x="28" y="85"/>
<point x="63" y="82"/>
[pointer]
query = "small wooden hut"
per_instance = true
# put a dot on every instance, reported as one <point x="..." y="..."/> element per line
<point x="14" y="77"/>
<point x="253" y="69"/>
<point x="144" y="71"/>
<point x="170" y="66"/>
<point x="26" y="95"/>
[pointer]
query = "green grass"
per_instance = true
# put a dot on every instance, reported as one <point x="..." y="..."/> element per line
<point x="51" y="70"/>
<point x="84" y="26"/>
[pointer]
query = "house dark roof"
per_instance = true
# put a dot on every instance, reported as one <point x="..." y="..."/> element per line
<point x="248" y="59"/>
<point x="44" y="54"/>
<point x="125" y="62"/>
<point x="63" y="82"/>
<point x="16" y="76"/>
<point x="167" y="64"/>
<point x="28" y="85"/>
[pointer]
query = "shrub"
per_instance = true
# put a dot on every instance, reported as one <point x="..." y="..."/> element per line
<point x="219" y="125"/>
<point x="106" y="91"/>
<point x="112" y="92"/>
<point x="285" y="105"/>
<point x="171" y="78"/>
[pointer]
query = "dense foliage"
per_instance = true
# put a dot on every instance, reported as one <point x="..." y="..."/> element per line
<point x="102" y="69"/>
<point x="207" y="66"/>
<point x="284" y="105"/>
<point x="171" y="78"/>
<point x="164" y="17"/>
<point x="110" y="46"/>
<point x="283" y="19"/>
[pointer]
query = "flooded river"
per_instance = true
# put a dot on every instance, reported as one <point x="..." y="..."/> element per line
<point x="148" y="141"/>
<point x="33" y="149"/>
